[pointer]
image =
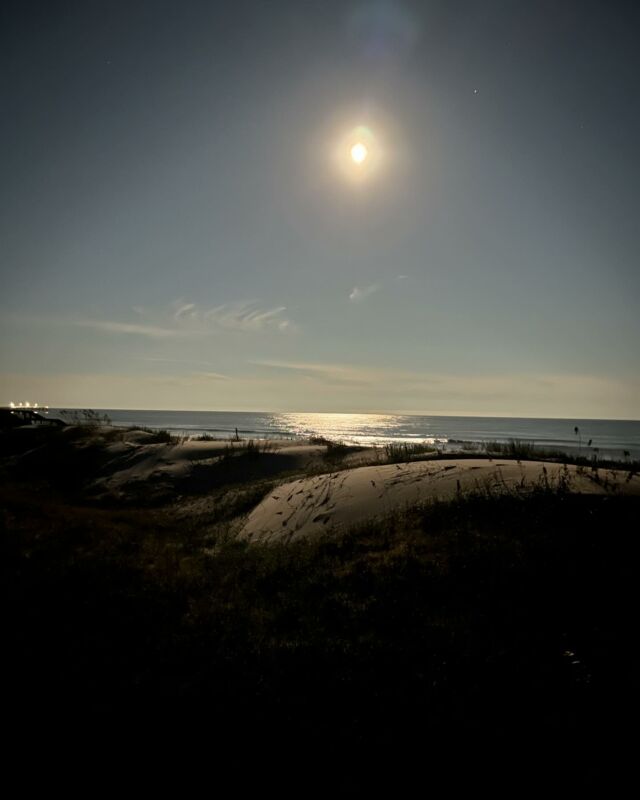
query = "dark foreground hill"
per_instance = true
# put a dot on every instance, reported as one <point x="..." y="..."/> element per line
<point x="486" y="620"/>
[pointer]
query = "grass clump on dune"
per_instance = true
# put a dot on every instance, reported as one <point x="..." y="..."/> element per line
<point x="515" y="448"/>
<point x="406" y="451"/>
<point x="155" y="435"/>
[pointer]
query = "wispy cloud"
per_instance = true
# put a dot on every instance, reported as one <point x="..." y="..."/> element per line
<point x="151" y="331"/>
<point x="187" y="319"/>
<point x="183" y="309"/>
<point x="213" y="376"/>
<point x="327" y="373"/>
<point x="187" y="362"/>
<point x="359" y="293"/>
<point x="163" y="360"/>
<point x="248" y="317"/>
<point x="299" y="366"/>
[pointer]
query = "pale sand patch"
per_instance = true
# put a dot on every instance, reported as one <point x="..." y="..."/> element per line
<point x="133" y="461"/>
<point x="310" y="506"/>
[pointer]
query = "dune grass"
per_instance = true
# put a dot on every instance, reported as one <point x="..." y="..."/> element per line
<point x="156" y="435"/>
<point x="406" y="451"/>
<point x="529" y="451"/>
<point x="491" y="617"/>
<point x="483" y="616"/>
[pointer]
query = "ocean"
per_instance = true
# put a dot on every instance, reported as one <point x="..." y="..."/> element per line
<point x="610" y="437"/>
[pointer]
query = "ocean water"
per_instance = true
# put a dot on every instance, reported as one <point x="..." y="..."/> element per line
<point x="611" y="437"/>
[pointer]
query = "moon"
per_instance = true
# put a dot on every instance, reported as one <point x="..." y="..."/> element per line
<point x="359" y="152"/>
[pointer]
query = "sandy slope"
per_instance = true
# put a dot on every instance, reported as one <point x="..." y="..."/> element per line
<point x="312" y="505"/>
<point x="133" y="462"/>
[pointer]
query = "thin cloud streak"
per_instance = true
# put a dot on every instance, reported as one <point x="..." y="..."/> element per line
<point x="359" y="293"/>
<point x="214" y="376"/>
<point x="184" y="309"/>
<point x="151" y="331"/>
<point x="298" y="366"/>
<point x="325" y="374"/>
<point x="248" y="317"/>
<point x="183" y="361"/>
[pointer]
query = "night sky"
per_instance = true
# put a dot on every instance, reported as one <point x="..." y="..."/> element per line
<point x="181" y="225"/>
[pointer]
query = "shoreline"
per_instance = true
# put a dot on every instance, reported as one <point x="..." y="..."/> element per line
<point x="585" y="438"/>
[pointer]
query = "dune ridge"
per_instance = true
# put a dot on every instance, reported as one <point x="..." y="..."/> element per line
<point x="309" y="506"/>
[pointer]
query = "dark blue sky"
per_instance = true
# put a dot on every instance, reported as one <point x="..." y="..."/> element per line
<point x="181" y="226"/>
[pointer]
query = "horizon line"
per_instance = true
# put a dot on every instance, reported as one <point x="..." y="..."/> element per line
<point x="345" y="413"/>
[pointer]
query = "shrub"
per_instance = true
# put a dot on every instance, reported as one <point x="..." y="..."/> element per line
<point x="158" y="435"/>
<point x="85" y="417"/>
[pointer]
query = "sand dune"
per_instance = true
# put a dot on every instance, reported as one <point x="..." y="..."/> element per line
<point x="133" y="463"/>
<point x="311" y="505"/>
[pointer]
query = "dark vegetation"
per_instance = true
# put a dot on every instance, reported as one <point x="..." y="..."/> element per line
<point x="486" y="620"/>
<point x="84" y="416"/>
<point x="335" y="451"/>
<point x="68" y="460"/>
<point x="406" y="451"/>
<point x="156" y="435"/>
<point x="528" y="451"/>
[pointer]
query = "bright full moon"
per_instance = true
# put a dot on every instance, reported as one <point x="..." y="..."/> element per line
<point x="359" y="152"/>
<point x="358" y="155"/>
